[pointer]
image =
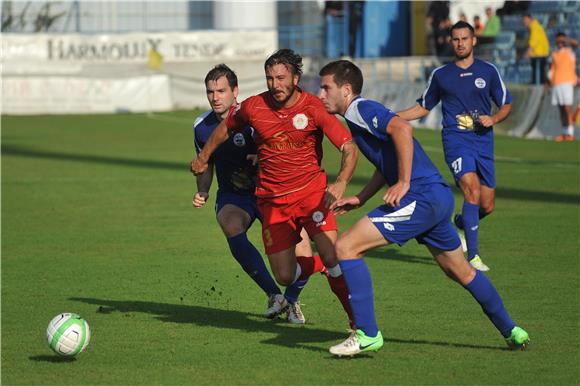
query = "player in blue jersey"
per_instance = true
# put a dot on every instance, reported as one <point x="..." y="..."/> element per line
<point x="466" y="89"/>
<point x="418" y="204"/>
<point x="236" y="209"/>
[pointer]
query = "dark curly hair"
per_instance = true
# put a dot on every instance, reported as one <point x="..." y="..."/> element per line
<point x="286" y="57"/>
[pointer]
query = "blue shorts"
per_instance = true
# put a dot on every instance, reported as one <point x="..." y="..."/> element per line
<point x="245" y="202"/>
<point x="424" y="214"/>
<point x="470" y="152"/>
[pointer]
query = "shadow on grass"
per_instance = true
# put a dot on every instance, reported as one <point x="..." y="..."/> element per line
<point x="501" y="192"/>
<point x="98" y="159"/>
<point x="52" y="359"/>
<point x="286" y="335"/>
<point x="393" y="252"/>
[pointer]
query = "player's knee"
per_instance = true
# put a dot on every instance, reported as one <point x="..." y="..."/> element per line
<point x="284" y="278"/>
<point x="472" y="194"/>
<point x="461" y="273"/>
<point x="486" y="208"/>
<point x="343" y="249"/>
<point x="232" y="229"/>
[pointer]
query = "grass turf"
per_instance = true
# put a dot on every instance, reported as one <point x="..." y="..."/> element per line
<point x="97" y="220"/>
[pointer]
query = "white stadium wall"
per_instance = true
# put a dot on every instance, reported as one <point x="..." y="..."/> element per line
<point x="56" y="74"/>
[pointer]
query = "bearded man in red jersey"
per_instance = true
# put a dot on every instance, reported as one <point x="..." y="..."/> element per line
<point x="292" y="188"/>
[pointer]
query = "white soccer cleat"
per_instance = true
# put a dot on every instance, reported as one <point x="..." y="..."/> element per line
<point x="277" y="304"/>
<point x="356" y="343"/>
<point x="461" y="233"/>
<point x="294" y="314"/>
<point x="462" y="239"/>
<point x="478" y="264"/>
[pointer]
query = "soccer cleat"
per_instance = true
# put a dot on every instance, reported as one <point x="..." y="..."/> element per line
<point x="518" y="340"/>
<point x="478" y="264"/>
<point x="560" y="138"/>
<point x="461" y="233"/>
<point x="570" y="138"/>
<point x="356" y="343"/>
<point x="294" y="314"/>
<point x="277" y="304"/>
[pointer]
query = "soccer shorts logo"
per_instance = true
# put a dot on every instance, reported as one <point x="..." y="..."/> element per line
<point x="239" y="140"/>
<point x="317" y="216"/>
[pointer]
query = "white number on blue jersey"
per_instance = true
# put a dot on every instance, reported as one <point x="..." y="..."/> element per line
<point x="456" y="165"/>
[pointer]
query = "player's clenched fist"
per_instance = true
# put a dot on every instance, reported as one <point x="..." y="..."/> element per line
<point x="198" y="166"/>
<point x="200" y="199"/>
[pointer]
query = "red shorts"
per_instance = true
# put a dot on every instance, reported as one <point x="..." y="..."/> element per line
<point x="284" y="217"/>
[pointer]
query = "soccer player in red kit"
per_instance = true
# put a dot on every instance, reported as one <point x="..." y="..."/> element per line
<point x="292" y="187"/>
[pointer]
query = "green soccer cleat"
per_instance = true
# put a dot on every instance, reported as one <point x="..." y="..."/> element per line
<point x="478" y="264"/>
<point x="518" y="340"/>
<point x="356" y="343"/>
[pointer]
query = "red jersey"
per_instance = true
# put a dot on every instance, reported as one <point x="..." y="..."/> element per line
<point x="289" y="140"/>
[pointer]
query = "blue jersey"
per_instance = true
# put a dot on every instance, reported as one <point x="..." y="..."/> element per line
<point x="368" y="122"/>
<point x="235" y="173"/>
<point x="465" y="94"/>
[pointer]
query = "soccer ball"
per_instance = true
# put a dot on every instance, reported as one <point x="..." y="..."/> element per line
<point x="68" y="334"/>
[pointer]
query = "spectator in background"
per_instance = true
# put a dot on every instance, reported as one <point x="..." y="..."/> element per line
<point x="333" y="8"/>
<point x="491" y="29"/>
<point x="478" y="25"/>
<point x="563" y="78"/>
<point x="538" y="49"/>
<point x="444" y="50"/>
<point x="438" y="11"/>
<point x="463" y="17"/>
<point x="493" y="24"/>
<point x="513" y="7"/>
<point x="355" y="16"/>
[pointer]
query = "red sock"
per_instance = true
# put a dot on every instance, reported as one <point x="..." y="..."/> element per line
<point x="338" y="286"/>
<point x="309" y="266"/>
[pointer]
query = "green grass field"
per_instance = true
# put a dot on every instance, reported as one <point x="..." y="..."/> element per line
<point x="97" y="220"/>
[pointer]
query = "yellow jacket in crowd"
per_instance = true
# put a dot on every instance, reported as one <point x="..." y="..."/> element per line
<point x="538" y="41"/>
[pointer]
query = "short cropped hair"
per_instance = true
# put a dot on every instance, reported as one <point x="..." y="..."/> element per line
<point x="560" y="34"/>
<point x="287" y="57"/>
<point x="344" y="71"/>
<point x="222" y="70"/>
<point x="461" y="24"/>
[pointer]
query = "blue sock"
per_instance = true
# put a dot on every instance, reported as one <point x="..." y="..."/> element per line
<point x="470" y="218"/>
<point x="490" y="301"/>
<point x="251" y="261"/>
<point x="293" y="290"/>
<point x="458" y="220"/>
<point x="360" y="286"/>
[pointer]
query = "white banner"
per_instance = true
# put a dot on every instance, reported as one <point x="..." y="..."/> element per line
<point x="70" y="95"/>
<point x="132" y="48"/>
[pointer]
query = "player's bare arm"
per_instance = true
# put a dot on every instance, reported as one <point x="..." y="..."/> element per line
<point x="203" y="182"/>
<point x="401" y="132"/>
<point x="413" y="113"/>
<point x="502" y="113"/>
<point x="200" y="164"/>
<point x="347" y="166"/>
<point x="346" y="204"/>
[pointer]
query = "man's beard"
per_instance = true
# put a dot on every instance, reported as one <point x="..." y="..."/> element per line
<point x="461" y="57"/>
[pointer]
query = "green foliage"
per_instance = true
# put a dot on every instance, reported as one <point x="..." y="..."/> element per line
<point x="97" y="220"/>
